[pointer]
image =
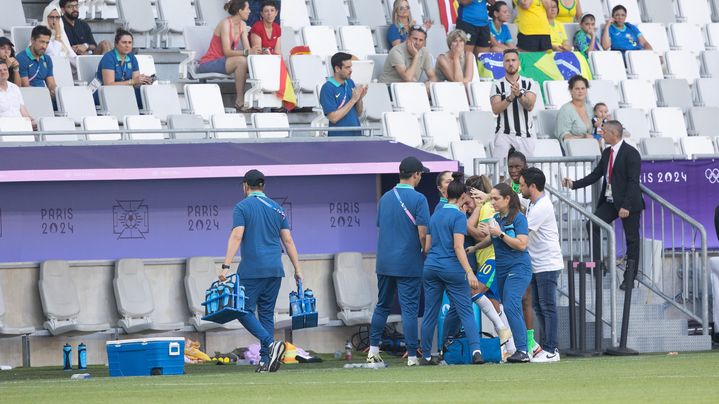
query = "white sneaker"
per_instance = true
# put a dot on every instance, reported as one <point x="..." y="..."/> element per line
<point x="504" y="335"/>
<point x="411" y="361"/>
<point x="374" y="358"/>
<point x="546" y="357"/>
<point x="537" y="351"/>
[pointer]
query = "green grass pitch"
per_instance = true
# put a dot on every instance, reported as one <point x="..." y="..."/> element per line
<point x="690" y="377"/>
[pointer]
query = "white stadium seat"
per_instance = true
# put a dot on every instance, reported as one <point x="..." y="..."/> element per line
<point x="707" y="91"/>
<point x="376" y="102"/>
<point x="657" y="11"/>
<point x="696" y="145"/>
<point x="16" y="124"/>
<point x="368" y="12"/>
<point x="403" y="127"/>
<point x="694" y="11"/>
<point x="603" y="91"/>
<point x="321" y="40"/>
<point x="644" y="65"/>
<point x="702" y="121"/>
<point x="478" y="125"/>
<point x="656" y="34"/>
<point x="480" y="92"/>
<point x="330" y="12"/>
<point x="659" y="146"/>
<point x="57" y="124"/>
<point x="204" y="99"/>
<point x="547" y="148"/>
<point x="229" y="121"/>
<point x="710" y="64"/>
<point x="76" y="103"/>
<point x="62" y="71"/>
<point x="608" y="65"/>
<point x="294" y="14"/>
<point x="682" y="65"/>
<point x="443" y="128"/>
<point x="13" y="15"/>
<point x="37" y="101"/>
<point x="101" y="123"/>
<point x="638" y="94"/>
<point x="176" y="15"/>
<point x="161" y="101"/>
<point x="557" y="92"/>
<point x="87" y="67"/>
<point x="138" y="17"/>
<point x="634" y="121"/>
<point x="450" y="97"/>
<point x="309" y="72"/>
<point x="196" y="44"/>
<point x="357" y="40"/>
<point x="118" y="101"/>
<point x="410" y="97"/>
<point x="686" y="36"/>
<point x="668" y="122"/>
<point x="582" y="148"/>
<point x="712" y="33"/>
<point x="143" y="122"/>
<point x="674" y="93"/>
<point x="264" y="75"/>
<point x="271" y="120"/>
<point x="547" y="123"/>
<point x="465" y="151"/>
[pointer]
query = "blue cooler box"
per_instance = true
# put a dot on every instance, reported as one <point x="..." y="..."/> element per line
<point x="146" y="356"/>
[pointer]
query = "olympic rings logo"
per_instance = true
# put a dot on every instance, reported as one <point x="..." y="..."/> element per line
<point x="712" y="175"/>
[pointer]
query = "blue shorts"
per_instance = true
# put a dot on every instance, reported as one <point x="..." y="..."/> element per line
<point x="213" y="66"/>
<point x="486" y="274"/>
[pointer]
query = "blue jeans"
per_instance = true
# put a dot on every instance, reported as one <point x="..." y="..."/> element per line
<point x="261" y="292"/>
<point x="408" y="290"/>
<point x="459" y="293"/>
<point x="512" y="285"/>
<point x="544" y="300"/>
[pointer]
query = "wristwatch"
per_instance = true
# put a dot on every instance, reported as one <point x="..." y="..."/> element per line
<point x="522" y="92"/>
<point x="225" y="266"/>
<point x="501" y="236"/>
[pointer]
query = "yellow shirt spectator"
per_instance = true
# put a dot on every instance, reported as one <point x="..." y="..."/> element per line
<point x="557" y="33"/>
<point x="533" y="21"/>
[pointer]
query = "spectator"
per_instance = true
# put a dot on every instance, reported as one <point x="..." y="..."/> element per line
<point x="341" y="99"/>
<point x="569" y="11"/>
<point x="402" y="21"/>
<point x="534" y="32"/>
<point x="230" y="47"/>
<point x="513" y="99"/>
<point x="601" y="116"/>
<point x="78" y="31"/>
<point x="620" y="195"/>
<point x="622" y="36"/>
<point x="560" y="43"/>
<point x="266" y="33"/>
<point x="457" y="64"/>
<point x="256" y="7"/>
<point x="35" y="67"/>
<point x="11" y="102"/>
<point x="547" y="261"/>
<point x="585" y="40"/>
<point x="514" y="270"/>
<point x="472" y="18"/>
<point x="500" y="36"/>
<point x="59" y="43"/>
<point x="120" y="68"/>
<point x="407" y="61"/>
<point x="574" y="120"/>
<point x="7" y="55"/>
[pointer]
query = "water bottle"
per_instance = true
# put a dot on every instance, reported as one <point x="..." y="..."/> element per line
<point x="309" y="303"/>
<point x="295" y="308"/>
<point x="82" y="356"/>
<point x="214" y="297"/>
<point x="240" y="302"/>
<point x="67" y="357"/>
<point x="224" y="296"/>
<point x="80" y="376"/>
<point x="348" y="351"/>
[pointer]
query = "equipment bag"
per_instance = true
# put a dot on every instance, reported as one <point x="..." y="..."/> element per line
<point x="457" y="351"/>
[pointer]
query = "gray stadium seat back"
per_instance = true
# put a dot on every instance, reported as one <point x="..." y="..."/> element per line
<point x="38" y="101"/>
<point x="661" y="11"/>
<point x="582" y="148"/>
<point x="58" y="293"/>
<point x="87" y="67"/>
<point x="548" y="122"/>
<point x="6" y="331"/>
<point x="21" y="36"/>
<point x="380" y="39"/>
<point x="659" y="146"/>
<point x="379" y="60"/>
<point x="710" y="64"/>
<point x="377" y="101"/>
<point x="436" y="40"/>
<point x="708" y="91"/>
<point x="352" y="289"/>
<point x="675" y="93"/>
<point x="604" y="91"/>
<point x="210" y="12"/>
<point x="478" y="125"/>
<point x="309" y="71"/>
<point x="58" y="124"/>
<point x="132" y="289"/>
<point x="177" y="13"/>
<point x="161" y="100"/>
<point x="187" y="122"/>
<point x="197" y="40"/>
<point x="200" y="273"/>
<point x="330" y="12"/>
<point x="368" y="12"/>
<point x="118" y="101"/>
<point x="76" y="102"/>
<point x="62" y="71"/>
<point x="139" y="18"/>
<point x="12" y="15"/>
<point x="703" y="120"/>
<point x="635" y="121"/>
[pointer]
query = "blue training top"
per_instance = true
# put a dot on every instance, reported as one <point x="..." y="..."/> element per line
<point x="625" y="39"/>
<point x="394" y="33"/>
<point x="474" y="13"/>
<point x="36" y="70"/>
<point x="334" y="96"/>
<point x="443" y="225"/>
<point x="261" y="249"/>
<point x="399" y="251"/>
<point x="507" y="258"/>
<point x="504" y="36"/>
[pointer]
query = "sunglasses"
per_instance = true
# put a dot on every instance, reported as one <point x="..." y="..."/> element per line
<point x="417" y="28"/>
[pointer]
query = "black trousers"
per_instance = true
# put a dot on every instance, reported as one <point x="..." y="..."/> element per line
<point x="609" y="213"/>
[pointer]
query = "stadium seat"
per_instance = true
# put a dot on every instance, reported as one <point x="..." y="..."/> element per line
<point x="594" y="7"/>
<point x="137" y="16"/>
<point x="436" y="41"/>
<point x="603" y="91"/>
<point x="133" y="295"/>
<point x="352" y="288"/>
<point x="715" y="9"/>
<point x="403" y="127"/>
<point x="60" y="301"/>
<point x="582" y="148"/>
<point x="5" y="330"/>
<point x="211" y="12"/>
<point x="271" y="120"/>
<point x="185" y="121"/>
<point x="693" y="146"/>
<point x="694" y="11"/>
<point x="87" y="67"/>
<point x="465" y="151"/>
<point x="442" y="127"/>
<point x="707" y="91"/>
<point x="682" y="65"/>
<point x="332" y="13"/>
<point x="644" y="65"/>
<point x="197" y="40"/>
<point x="380" y="39"/>
<point x="410" y="97"/>
<point x="21" y="36"/>
<point x="479" y="92"/>
<point x="161" y="100"/>
<point x="668" y="122"/>
<point x="62" y="71"/>
<point x="686" y="36"/>
<point x="608" y="66"/>
<point x="76" y="103"/>
<point x="200" y="272"/>
<point x="638" y="94"/>
<point x="710" y="64"/>
<point x="712" y="34"/>
<point x="37" y="101"/>
<point x="13" y="15"/>
<point x="16" y="124"/>
<point x="367" y="12"/>
<point x="136" y="123"/>
<point x="118" y="101"/>
<point x="264" y="75"/>
<point x="657" y="11"/>
<point x="308" y="71"/>
<point x="362" y="71"/>
<point x="379" y="60"/>
<point x="547" y="148"/>
<point x="288" y="41"/>
<point x="146" y="65"/>
<point x="478" y="125"/>
<point x="450" y="97"/>
<point x="674" y="93"/>
<point x="702" y="121"/>
<point x="357" y="40"/>
<point x="204" y="100"/>
<point x="570" y="29"/>
<point x="230" y="121"/>
<point x="104" y="123"/>
<point x="659" y="146"/>
<point x="634" y="15"/>
<point x="656" y="35"/>
<point x="295" y="14"/>
<point x="634" y="121"/>
<point x="376" y="102"/>
<point x="321" y="40"/>
<point x="57" y="124"/>
<point x="175" y="15"/>
<point x="101" y="9"/>
<point x="547" y="123"/>
<point x="557" y="92"/>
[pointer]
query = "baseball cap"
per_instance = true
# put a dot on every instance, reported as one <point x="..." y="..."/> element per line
<point x="5" y="41"/>
<point x="412" y="164"/>
<point x="254" y="178"/>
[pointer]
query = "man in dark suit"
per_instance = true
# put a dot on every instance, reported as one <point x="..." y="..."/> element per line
<point x="620" y="196"/>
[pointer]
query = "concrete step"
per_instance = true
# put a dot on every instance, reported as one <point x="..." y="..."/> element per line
<point x="682" y="343"/>
<point x="639" y="312"/>
<point x="648" y="328"/>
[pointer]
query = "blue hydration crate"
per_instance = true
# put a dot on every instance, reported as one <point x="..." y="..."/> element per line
<point x="303" y="308"/>
<point x="146" y="356"/>
<point x="224" y="301"/>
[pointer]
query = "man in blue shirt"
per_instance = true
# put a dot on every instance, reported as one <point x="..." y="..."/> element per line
<point x="473" y="19"/>
<point x="341" y="100"/>
<point x="259" y="224"/>
<point x="35" y="66"/>
<point x="402" y="218"/>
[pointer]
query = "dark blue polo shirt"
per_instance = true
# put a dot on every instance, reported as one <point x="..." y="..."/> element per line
<point x="334" y="96"/>
<point x="36" y="70"/>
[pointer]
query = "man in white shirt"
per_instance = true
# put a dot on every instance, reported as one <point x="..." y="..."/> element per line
<point x="11" y="102"/>
<point x="547" y="261"/>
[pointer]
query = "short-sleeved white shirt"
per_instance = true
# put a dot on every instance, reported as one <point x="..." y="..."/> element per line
<point x="544" y="249"/>
<point x="10" y="101"/>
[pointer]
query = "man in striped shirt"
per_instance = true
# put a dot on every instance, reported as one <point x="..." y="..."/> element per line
<point x="512" y="101"/>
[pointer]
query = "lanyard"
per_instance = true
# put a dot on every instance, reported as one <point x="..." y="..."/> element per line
<point x="280" y="211"/>
<point x="406" y="211"/>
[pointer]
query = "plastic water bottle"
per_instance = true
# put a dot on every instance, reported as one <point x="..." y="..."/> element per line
<point x="224" y="293"/>
<point x="240" y="303"/>
<point x="348" y="351"/>
<point x="309" y="303"/>
<point x="80" y="376"/>
<point x="214" y="297"/>
<point x="295" y="307"/>
<point x="82" y="356"/>
<point x="67" y="357"/>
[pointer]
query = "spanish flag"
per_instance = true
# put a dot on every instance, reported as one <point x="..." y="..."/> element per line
<point x="448" y="13"/>
<point x="287" y="90"/>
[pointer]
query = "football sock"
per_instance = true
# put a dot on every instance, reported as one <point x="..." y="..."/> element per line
<point x="373" y="350"/>
<point x="510" y="344"/>
<point x="489" y="311"/>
